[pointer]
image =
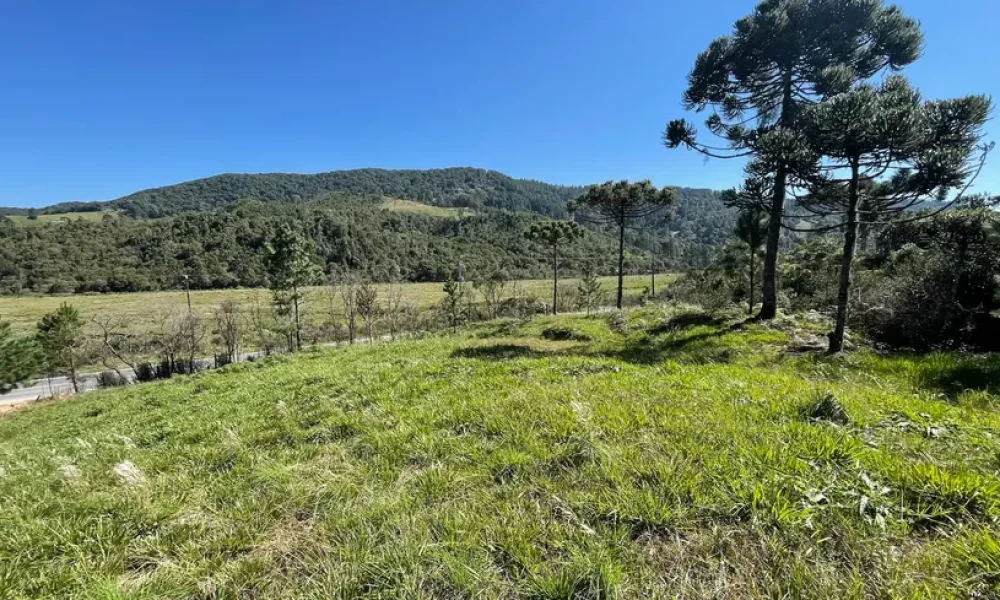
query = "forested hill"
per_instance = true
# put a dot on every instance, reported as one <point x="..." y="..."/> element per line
<point x="457" y="187"/>
<point x="215" y="230"/>
<point x="460" y="187"/>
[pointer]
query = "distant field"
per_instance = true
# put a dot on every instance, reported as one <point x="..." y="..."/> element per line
<point x="409" y="206"/>
<point x="59" y="218"/>
<point x="142" y="309"/>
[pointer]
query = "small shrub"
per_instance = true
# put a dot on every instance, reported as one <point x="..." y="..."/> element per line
<point x="110" y="379"/>
<point x="145" y="372"/>
<point x="560" y="334"/>
<point x="618" y="322"/>
<point x="826" y="407"/>
<point x="522" y="307"/>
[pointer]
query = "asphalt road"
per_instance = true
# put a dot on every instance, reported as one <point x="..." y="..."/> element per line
<point x="45" y="388"/>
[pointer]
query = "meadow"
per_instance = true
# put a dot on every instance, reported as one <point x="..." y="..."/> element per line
<point x="61" y="217"/>
<point x="657" y="453"/>
<point x="419" y="208"/>
<point x="142" y="311"/>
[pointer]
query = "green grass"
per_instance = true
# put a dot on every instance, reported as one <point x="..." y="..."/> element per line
<point x="61" y="217"/>
<point x="653" y="455"/>
<point x="143" y="310"/>
<point x="419" y="208"/>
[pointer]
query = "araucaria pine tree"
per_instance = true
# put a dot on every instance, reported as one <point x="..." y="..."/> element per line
<point x="751" y="229"/>
<point x="552" y="235"/>
<point x="622" y="205"/>
<point x="291" y="265"/>
<point x="785" y="55"/>
<point x="882" y="139"/>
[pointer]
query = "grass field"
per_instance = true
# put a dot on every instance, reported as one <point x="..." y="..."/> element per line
<point x="143" y="309"/>
<point x="419" y="208"/>
<point x="59" y="218"/>
<point x="659" y="455"/>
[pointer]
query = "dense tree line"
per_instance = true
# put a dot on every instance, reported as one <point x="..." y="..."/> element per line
<point x="215" y="231"/>
<point x="228" y="248"/>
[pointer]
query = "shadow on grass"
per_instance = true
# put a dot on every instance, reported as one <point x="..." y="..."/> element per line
<point x="688" y="320"/>
<point x="498" y="352"/>
<point x="701" y="347"/>
<point x="667" y="341"/>
<point x="969" y="374"/>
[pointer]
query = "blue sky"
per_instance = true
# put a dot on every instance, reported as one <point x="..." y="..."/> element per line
<point x="103" y="98"/>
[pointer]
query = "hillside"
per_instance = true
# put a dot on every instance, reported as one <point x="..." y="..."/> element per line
<point x="686" y="459"/>
<point x="215" y="230"/>
<point x="456" y="187"/>
<point x="700" y="222"/>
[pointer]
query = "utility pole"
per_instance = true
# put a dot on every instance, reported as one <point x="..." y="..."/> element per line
<point x="652" y="266"/>
<point x="187" y="289"/>
<point x="652" y="273"/>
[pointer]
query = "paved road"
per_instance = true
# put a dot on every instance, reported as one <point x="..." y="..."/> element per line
<point x="44" y="388"/>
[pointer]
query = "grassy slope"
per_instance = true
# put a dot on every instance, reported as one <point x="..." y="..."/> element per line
<point x="59" y="218"/>
<point x="670" y="462"/>
<point x="144" y="309"/>
<point x="418" y="208"/>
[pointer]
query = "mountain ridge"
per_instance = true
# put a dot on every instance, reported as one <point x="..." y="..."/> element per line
<point x="461" y="187"/>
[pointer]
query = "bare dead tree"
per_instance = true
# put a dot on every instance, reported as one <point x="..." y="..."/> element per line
<point x="347" y="285"/>
<point x="257" y="313"/>
<point x="229" y="325"/>
<point x="395" y="305"/>
<point x="118" y="346"/>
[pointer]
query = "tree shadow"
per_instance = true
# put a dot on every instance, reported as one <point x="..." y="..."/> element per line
<point x="497" y="352"/>
<point x="971" y="374"/>
<point x="688" y="320"/>
<point x="702" y="347"/>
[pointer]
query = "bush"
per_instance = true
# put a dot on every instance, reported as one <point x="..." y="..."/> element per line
<point x="926" y="302"/>
<point x="826" y="407"/>
<point x="522" y="307"/>
<point x="110" y="379"/>
<point x="559" y="334"/>
<point x="711" y="289"/>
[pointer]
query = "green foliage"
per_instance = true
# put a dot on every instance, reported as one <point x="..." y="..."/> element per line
<point x="589" y="292"/>
<point x="20" y="359"/>
<point x="934" y="283"/>
<point x="455" y="301"/>
<point x="290" y="262"/>
<point x="554" y="233"/>
<point x="60" y="337"/>
<point x="291" y="265"/>
<point x="826" y="407"/>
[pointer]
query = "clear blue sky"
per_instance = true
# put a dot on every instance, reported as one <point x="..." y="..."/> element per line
<point x="103" y="98"/>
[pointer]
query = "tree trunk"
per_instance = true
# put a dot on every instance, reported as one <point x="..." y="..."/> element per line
<point x="72" y="372"/>
<point x="298" y="326"/>
<point x="769" y="304"/>
<point x="850" y="243"/>
<point x="750" y="301"/>
<point x="555" y="278"/>
<point x="621" y="263"/>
